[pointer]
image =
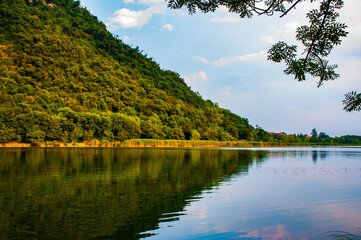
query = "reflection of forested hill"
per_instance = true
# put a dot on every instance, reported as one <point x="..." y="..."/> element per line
<point x="105" y="193"/>
<point x="64" y="77"/>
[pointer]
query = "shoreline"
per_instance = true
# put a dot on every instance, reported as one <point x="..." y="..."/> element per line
<point x="143" y="143"/>
<point x="148" y="143"/>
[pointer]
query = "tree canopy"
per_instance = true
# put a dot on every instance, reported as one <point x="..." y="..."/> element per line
<point x="318" y="38"/>
<point x="314" y="133"/>
<point x="64" y="77"/>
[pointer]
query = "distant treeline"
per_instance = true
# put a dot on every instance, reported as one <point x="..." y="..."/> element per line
<point x="320" y="139"/>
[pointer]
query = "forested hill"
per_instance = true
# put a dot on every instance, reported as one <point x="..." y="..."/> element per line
<point x="64" y="77"/>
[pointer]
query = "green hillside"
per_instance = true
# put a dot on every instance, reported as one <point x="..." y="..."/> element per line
<point x="64" y="77"/>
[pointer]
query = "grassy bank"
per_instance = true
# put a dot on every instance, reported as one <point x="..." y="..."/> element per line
<point x="168" y="144"/>
<point x="147" y="143"/>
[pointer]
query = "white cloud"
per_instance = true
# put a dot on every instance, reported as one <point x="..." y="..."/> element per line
<point x="201" y="76"/>
<point x="227" y="61"/>
<point x="348" y="69"/>
<point x="201" y="59"/>
<point x="283" y="32"/>
<point x="353" y="39"/>
<point x="169" y="27"/>
<point x="227" y="19"/>
<point x="148" y="2"/>
<point x="227" y="92"/>
<point x="126" y="38"/>
<point x="287" y="30"/>
<point x="126" y="18"/>
<point x="222" y="9"/>
<point x="350" y="13"/>
<point x="242" y="58"/>
<point x="224" y="16"/>
<point x="268" y="39"/>
<point x="151" y="2"/>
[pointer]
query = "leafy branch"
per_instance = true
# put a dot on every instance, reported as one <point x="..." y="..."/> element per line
<point x="352" y="101"/>
<point x="319" y="39"/>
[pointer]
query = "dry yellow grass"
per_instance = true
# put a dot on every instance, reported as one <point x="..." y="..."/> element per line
<point x="145" y="143"/>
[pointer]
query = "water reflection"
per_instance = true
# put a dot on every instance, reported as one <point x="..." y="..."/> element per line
<point x="106" y="193"/>
<point x="285" y="197"/>
<point x="277" y="193"/>
<point x="315" y="156"/>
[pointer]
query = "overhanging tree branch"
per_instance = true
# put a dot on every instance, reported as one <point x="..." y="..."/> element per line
<point x="318" y="39"/>
<point x="352" y="101"/>
<point x="319" y="29"/>
<point x="294" y="5"/>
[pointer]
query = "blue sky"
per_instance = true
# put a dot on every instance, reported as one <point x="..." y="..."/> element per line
<point x="223" y="57"/>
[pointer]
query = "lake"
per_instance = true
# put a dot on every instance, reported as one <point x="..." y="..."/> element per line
<point x="154" y="193"/>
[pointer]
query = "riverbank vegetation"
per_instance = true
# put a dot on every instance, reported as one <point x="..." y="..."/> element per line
<point x="148" y="143"/>
<point x="65" y="78"/>
<point x="171" y="143"/>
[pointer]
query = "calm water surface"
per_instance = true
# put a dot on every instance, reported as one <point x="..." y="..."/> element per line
<point x="268" y="193"/>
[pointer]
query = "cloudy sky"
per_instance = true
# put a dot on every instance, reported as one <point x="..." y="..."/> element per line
<point x="223" y="57"/>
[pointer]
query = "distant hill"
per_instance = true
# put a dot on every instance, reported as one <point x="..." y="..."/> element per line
<point x="64" y="77"/>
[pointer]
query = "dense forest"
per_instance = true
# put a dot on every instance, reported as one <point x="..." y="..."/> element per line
<point x="64" y="77"/>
